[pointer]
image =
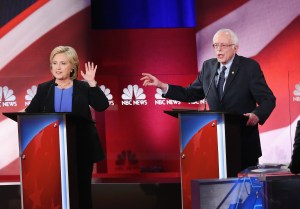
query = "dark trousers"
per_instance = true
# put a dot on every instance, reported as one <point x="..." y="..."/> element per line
<point x="85" y="170"/>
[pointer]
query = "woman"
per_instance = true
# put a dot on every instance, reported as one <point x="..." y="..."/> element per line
<point x="64" y="93"/>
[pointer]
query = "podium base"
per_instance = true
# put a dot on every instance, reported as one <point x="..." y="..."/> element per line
<point x="112" y="195"/>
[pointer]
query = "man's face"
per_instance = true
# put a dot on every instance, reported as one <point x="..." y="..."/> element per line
<point x="224" y="47"/>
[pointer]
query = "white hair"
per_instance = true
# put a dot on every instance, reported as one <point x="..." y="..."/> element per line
<point x="229" y="32"/>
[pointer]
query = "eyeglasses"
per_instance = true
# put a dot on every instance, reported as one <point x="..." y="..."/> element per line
<point x="222" y="46"/>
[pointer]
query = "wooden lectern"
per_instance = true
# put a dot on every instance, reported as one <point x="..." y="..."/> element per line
<point x="48" y="159"/>
<point x="209" y="147"/>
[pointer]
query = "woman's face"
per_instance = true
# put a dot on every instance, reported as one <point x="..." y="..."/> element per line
<point x="61" y="67"/>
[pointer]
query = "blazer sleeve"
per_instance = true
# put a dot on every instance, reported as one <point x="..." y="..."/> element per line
<point x="295" y="162"/>
<point x="97" y="99"/>
<point x="263" y="95"/>
<point x="194" y="92"/>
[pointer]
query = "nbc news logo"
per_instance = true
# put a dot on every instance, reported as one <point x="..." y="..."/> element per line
<point x="30" y="94"/>
<point x="133" y="95"/>
<point x="296" y="92"/>
<point x="108" y="95"/>
<point x="159" y="100"/>
<point x="7" y="97"/>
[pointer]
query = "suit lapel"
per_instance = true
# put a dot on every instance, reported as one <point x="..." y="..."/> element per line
<point x="232" y="72"/>
<point x="75" y="97"/>
<point x="215" y="68"/>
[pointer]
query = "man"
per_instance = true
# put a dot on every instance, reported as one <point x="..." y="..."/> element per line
<point x="230" y="83"/>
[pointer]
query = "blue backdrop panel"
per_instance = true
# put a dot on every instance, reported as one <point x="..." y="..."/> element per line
<point x="121" y="14"/>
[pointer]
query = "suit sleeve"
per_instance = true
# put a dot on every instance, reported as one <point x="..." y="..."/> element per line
<point x="262" y="94"/>
<point x="97" y="99"/>
<point x="295" y="162"/>
<point x="194" y="92"/>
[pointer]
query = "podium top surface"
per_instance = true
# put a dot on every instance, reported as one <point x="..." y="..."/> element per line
<point x="177" y="111"/>
<point x="266" y="170"/>
<point x="14" y="115"/>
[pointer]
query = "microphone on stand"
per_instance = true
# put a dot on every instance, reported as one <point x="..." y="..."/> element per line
<point x="206" y="94"/>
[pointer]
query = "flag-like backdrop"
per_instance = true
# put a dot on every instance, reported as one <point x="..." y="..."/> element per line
<point x="169" y="38"/>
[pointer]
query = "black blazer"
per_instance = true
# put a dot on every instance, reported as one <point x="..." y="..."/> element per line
<point x="84" y="96"/>
<point x="295" y="162"/>
<point x="245" y="91"/>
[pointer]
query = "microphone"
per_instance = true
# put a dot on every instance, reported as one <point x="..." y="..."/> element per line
<point x="206" y="94"/>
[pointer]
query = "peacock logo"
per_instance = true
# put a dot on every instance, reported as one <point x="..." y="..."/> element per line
<point x="160" y="100"/>
<point x="7" y="97"/>
<point x="296" y="92"/>
<point x="30" y="93"/>
<point x="133" y="95"/>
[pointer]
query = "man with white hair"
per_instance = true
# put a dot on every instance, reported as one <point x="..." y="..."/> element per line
<point x="230" y="83"/>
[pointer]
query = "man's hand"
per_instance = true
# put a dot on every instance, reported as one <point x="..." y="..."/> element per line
<point x="150" y="80"/>
<point x="252" y="119"/>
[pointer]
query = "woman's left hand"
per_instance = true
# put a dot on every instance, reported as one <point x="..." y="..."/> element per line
<point x="90" y="72"/>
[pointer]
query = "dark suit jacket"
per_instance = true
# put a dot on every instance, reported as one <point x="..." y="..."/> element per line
<point x="83" y="97"/>
<point x="245" y="91"/>
<point x="295" y="162"/>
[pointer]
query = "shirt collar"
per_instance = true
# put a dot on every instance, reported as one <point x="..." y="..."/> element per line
<point x="228" y="65"/>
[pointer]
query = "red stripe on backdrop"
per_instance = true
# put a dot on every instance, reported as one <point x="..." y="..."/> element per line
<point x="277" y="59"/>
<point x="23" y="15"/>
<point x="209" y="11"/>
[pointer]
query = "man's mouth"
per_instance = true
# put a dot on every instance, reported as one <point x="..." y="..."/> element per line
<point x="220" y="56"/>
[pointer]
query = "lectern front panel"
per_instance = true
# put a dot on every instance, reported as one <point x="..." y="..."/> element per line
<point x="203" y="154"/>
<point x="44" y="178"/>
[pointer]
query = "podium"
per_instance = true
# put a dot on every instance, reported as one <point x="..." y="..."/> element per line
<point x="209" y="146"/>
<point x="48" y="155"/>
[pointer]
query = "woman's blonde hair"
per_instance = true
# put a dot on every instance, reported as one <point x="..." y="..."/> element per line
<point x="72" y="55"/>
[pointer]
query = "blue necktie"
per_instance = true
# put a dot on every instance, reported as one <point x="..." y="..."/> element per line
<point x="221" y="82"/>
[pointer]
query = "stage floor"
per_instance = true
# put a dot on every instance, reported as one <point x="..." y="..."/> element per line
<point x="280" y="192"/>
<point x="111" y="195"/>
